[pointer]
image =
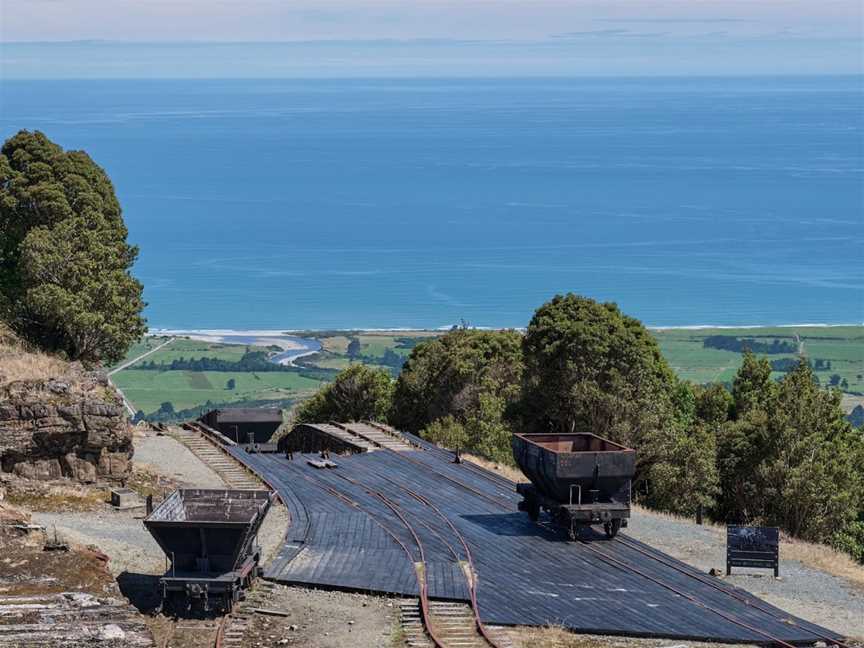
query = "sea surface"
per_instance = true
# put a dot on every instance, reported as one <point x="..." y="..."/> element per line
<point x="421" y="203"/>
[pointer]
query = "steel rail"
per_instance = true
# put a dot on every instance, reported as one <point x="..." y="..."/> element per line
<point x="609" y="559"/>
<point x="169" y="636"/>
<point x="729" y="617"/>
<point x="689" y="597"/>
<point x="421" y="580"/>
<point x="710" y="582"/>
<point x="471" y="580"/>
<point x="220" y="632"/>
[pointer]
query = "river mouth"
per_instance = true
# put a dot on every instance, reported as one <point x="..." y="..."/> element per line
<point x="293" y="347"/>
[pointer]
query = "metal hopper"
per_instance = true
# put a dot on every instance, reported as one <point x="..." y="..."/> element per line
<point x="209" y="537"/>
<point x="580" y="478"/>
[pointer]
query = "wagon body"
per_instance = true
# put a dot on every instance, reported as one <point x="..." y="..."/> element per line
<point x="209" y="537"/>
<point x="580" y="478"/>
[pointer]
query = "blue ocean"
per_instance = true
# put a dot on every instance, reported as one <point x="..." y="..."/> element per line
<point x="421" y="203"/>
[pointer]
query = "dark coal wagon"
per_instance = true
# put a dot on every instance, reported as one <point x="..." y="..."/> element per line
<point x="580" y="479"/>
<point x="209" y="537"/>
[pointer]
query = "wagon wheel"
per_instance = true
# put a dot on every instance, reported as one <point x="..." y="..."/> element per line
<point x="533" y="509"/>
<point x="611" y="528"/>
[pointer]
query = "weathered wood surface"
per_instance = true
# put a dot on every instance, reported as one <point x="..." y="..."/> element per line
<point x="70" y="620"/>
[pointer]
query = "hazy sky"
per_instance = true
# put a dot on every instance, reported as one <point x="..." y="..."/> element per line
<point x="396" y="37"/>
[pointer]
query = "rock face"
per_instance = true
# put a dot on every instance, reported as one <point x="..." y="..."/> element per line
<point x="71" y="435"/>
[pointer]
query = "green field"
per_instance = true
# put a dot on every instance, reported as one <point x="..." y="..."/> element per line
<point x="684" y="349"/>
<point x="843" y="346"/>
<point x="190" y="349"/>
<point x="147" y="390"/>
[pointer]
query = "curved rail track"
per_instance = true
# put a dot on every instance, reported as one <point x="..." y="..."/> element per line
<point x="624" y="565"/>
<point x="470" y="574"/>
<point x="417" y="557"/>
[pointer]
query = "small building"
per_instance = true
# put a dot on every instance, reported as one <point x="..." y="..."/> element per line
<point x="239" y="423"/>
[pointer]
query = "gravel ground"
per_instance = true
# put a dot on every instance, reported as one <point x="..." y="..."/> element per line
<point x="117" y="533"/>
<point x="322" y="619"/>
<point x="168" y="457"/>
<point x="121" y="534"/>
<point x="828" y="600"/>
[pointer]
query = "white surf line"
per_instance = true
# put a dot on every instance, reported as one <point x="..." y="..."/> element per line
<point x="141" y="357"/>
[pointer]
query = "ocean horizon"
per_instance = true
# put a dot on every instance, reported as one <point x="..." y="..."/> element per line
<point x="421" y="203"/>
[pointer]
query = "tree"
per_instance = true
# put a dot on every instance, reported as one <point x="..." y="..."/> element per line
<point x="684" y="478"/>
<point x="790" y="458"/>
<point x="470" y="376"/>
<point x="166" y="408"/>
<point x="357" y="393"/>
<point x="65" y="279"/>
<point x="590" y="368"/>
<point x="353" y="350"/>
<point x="752" y="387"/>
<point x="231" y="384"/>
<point x="447" y="432"/>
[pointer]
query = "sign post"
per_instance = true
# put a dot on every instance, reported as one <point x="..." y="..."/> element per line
<point x="752" y="547"/>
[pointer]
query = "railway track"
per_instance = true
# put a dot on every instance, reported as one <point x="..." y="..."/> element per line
<point x="432" y="623"/>
<point x="622" y="564"/>
<point x="455" y="624"/>
<point x="229" y="630"/>
<point x="194" y="633"/>
<point x="232" y="472"/>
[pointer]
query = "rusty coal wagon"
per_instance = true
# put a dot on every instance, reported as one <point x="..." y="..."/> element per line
<point x="580" y="479"/>
<point x="209" y="537"/>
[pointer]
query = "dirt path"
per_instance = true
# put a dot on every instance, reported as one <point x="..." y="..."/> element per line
<point x="140" y="357"/>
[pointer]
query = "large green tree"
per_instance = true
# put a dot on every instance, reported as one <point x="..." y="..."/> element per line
<point x="790" y="458"/>
<point x="590" y="368"/>
<point x="459" y="387"/>
<point x="65" y="279"/>
<point x="357" y="393"/>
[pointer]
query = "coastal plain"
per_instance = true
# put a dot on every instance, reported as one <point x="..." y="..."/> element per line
<point x="837" y="353"/>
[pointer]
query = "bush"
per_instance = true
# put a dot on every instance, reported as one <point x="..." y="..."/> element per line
<point x="357" y="393"/>
<point x="851" y="540"/>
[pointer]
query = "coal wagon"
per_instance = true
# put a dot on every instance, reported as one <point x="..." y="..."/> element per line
<point x="579" y="478"/>
<point x="209" y="537"/>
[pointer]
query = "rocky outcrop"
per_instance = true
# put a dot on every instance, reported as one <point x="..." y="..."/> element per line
<point x="48" y="431"/>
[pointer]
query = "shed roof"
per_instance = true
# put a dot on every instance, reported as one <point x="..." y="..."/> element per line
<point x="249" y="415"/>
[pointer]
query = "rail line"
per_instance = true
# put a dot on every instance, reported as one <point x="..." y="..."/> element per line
<point x="419" y="572"/>
<point x="627" y="566"/>
<point x="501" y="482"/>
<point x="727" y="591"/>
<point x="471" y="577"/>
<point x="178" y="628"/>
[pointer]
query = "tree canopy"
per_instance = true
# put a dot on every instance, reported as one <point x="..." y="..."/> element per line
<point x="789" y="457"/>
<point x="357" y="393"/>
<point x="590" y="368"/>
<point x="456" y="390"/>
<point x="65" y="279"/>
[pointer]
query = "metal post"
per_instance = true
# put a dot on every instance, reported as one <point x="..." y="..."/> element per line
<point x="699" y="514"/>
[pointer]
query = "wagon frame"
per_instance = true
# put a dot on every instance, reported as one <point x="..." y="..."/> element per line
<point x="579" y="478"/>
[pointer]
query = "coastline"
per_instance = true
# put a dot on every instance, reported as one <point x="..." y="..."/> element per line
<point x="287" y="337"/>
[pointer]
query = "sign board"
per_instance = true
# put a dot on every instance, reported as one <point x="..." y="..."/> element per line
<point x="753" y="547"/>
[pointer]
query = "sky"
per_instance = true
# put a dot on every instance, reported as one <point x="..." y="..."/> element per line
<point x="275" y="38"/>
